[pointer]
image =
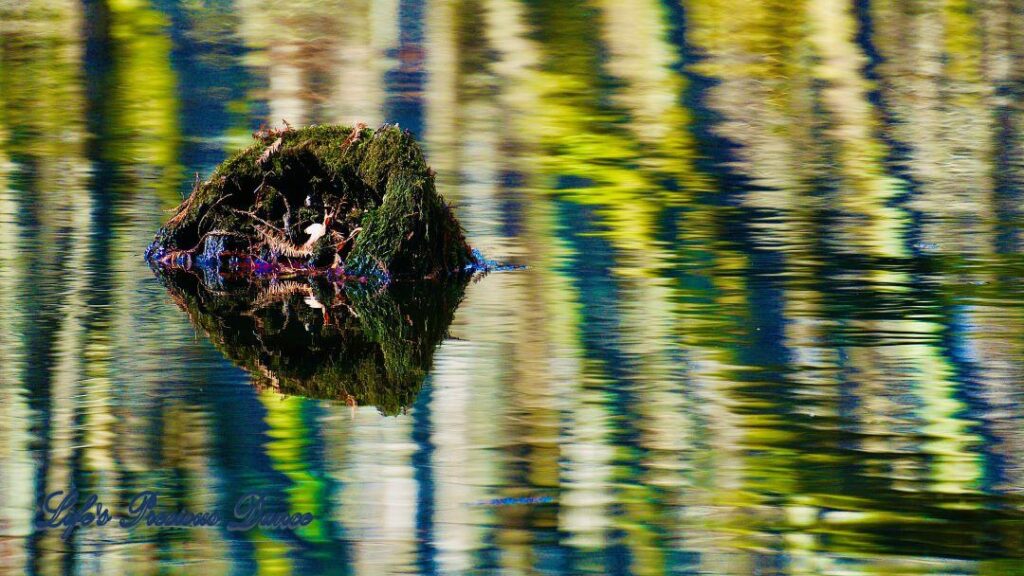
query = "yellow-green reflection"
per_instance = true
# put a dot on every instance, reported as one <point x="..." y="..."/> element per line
<point x="771" y="319"/>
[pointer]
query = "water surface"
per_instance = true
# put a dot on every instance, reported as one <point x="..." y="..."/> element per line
<point x="772" y="319"/>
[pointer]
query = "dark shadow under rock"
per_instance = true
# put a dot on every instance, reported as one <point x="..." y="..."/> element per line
<point x="357" y="343"/>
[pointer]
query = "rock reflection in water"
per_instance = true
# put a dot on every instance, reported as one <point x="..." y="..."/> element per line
<point x="361" y="344"/>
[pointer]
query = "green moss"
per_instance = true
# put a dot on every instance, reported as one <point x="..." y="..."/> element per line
<point x="372" y="189"/>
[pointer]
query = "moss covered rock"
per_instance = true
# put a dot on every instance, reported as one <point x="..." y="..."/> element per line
<point x="321" y="199"/>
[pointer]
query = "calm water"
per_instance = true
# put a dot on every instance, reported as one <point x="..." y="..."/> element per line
<point x="773" y="320"/>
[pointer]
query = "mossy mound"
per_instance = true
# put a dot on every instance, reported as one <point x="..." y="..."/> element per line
<point x="352" y="200"/>
<point x="349" y="342"/>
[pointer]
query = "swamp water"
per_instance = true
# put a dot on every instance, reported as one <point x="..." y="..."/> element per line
<point x="771" y="323"/>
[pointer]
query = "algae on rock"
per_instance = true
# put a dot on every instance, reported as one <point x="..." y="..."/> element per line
<point x="355" y="200"/>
